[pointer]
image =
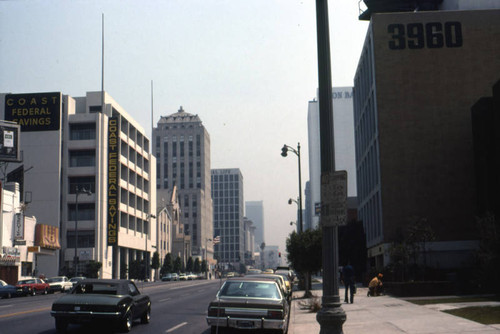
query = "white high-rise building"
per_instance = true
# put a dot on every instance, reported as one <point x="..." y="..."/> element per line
<point x="345" y="158"/>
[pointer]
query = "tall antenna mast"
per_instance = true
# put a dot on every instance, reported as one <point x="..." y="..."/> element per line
<point x="102" y="65"/>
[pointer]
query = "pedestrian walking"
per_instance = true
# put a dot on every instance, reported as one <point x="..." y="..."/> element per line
<point x="349" y="282"/>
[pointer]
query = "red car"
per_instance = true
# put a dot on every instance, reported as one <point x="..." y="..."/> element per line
<point x="34" y="285"/>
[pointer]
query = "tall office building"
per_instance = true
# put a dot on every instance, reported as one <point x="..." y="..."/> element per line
<point x="418" y="77"/>
<point x="71" y="144"/>
<point x="227" y="195"/>
<point x="343" y="123"/>
<point x="254" y="210"/>
<point x="181" y="145"/>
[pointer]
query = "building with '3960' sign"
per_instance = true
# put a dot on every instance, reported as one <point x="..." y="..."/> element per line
<point x="419" y="75"/>
<point x="88" y="167"/>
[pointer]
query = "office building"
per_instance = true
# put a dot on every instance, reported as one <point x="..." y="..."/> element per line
<point x="254" y="210"/>
<point x="418" y="77"/>
<point x="227" y="195"/>
<point x="181" y="145"/>
<point x="88" y="170"/>
<point x="343" y="132"/>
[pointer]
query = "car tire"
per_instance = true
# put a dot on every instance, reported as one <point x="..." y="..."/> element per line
<point x="126" y="323"/>
<point x="46" y="291"/>
<point x="146" y="317"/>
<point x="7" y="296"/>
<point x="61" y="325"/>
<point x="32" y="292"/>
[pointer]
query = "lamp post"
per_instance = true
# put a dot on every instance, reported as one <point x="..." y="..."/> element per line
<point x="206" y="257"/>
<point x="146" y="234"/>
<point x="284" y="153"/>
<point x="296" y="201"/>
<point x="78" y="192"/>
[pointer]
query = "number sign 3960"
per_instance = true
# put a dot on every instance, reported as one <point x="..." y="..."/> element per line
<point x="432" y="35"/>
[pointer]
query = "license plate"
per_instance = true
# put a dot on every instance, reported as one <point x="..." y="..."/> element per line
<point x="245" y="324"/>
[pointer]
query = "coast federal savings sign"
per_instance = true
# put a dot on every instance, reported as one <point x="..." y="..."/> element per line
<point x="113" y="179"/>
<point x="34" y="112"/>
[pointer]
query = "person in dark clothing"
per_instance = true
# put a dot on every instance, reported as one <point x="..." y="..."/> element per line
<point x="349" y="282"/>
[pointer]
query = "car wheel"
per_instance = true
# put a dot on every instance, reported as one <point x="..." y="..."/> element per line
<point x="7" y="296"/>
<point x="61" y="325"/>
<point x="146" y="317"/>
<point x="126" y="324"/>
<point x="32" y="292"/>
<point x="46" y="291"/>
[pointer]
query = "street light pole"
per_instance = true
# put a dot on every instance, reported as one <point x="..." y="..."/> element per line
<point x="78" y="192"/>
<point x="206" y="257"/>
<point x="331" y="316"/>
<point x="284" y="151"/>
<point x="146" y="234"/>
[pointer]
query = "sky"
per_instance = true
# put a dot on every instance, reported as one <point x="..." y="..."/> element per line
<point x="247" y="67"/>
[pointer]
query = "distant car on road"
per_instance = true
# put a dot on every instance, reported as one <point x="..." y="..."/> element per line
<point x="59" y="283"/>
<point x="118" y="302"/>
<point x="8" y="290"/>
<point x="249" y="303"/>
<point x="170" y="277"/>
<point x="34" y="286"/>
<point x="75" y="280"/>
<point x="183" y="277"/>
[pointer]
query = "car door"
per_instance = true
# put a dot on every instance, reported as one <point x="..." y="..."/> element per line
<point x="139" y="301"/>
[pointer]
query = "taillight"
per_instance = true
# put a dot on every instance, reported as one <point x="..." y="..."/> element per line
<point x="275" y="314"/>
<point x="216" y="312"/>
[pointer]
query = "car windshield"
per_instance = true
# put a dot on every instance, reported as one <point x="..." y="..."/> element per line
<point x="54" y="280"/>
<point x="249" y="289"/>
<point x="28" y="281"/>
<point x="96" y="288"/>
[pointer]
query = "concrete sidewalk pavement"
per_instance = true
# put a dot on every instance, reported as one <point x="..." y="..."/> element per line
<point x="386" y="315"/>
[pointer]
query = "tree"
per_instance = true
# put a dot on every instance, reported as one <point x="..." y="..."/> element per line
<point x="93" y="268"/>
<point x="155" y="262"/>
<point x="203" y="266"/>
<point x="136" y="270"/>
<point x="178" y="264"/>
<point x="304" y="253"/>
<point x="189" y="266"/>
<point x="197" y="266"/>
<point x="168" y="265"/>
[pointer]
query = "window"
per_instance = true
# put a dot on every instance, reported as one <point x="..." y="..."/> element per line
<point x="86" y="239"/>
<point x="86" y="211"/>
<point x="83" y="158"/>
<point x="82" y="131"/>
<point x="83" y="182"/>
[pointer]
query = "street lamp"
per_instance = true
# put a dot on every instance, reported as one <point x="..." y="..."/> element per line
<point x="296" y="201"/>
<point x="206" y="256"/>
<point x="78" y="192"/>
<point x="146" y="233"/>
<point x="284" y="153"/>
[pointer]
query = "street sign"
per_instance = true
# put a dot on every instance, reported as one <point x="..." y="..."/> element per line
<point x="334" y="198"/>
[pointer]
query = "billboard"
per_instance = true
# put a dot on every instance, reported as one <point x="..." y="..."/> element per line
<point x="9" y="141"/>
<point x="35" y="111"/>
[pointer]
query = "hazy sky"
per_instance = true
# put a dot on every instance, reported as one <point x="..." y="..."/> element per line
<point x="247" y="67"/>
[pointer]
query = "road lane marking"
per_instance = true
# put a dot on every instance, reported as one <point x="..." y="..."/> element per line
<point x="164" y="300"/>
<point x="25" y="312"/>
<point x="6" y="305"/>
<point x="175" y="327"/>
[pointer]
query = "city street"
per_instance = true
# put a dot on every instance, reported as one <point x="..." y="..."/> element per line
<point x="177" y="307"/>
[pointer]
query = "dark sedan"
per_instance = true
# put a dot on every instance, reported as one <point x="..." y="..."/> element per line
<point x="249" y="303"/>
<point x="7" y="290"/>
<point x="110" y="301"/>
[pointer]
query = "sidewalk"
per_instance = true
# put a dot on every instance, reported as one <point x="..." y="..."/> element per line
<point x="387" y="315"/>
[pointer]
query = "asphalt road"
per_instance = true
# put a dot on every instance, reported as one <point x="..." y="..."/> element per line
<point x="177" y="308"/>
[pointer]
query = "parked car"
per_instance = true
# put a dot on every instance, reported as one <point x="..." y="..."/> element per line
<point x="183" y="277"/>
<point x="170" y="277"/>
<point x="34" y="286"/>
<point x="7" y="290"/>
<point x="281" y="282"/>
<point x="118" y="302"/>
<point x="75" y="280"/>
<point x="249" y="303"/>
<point x="59" y="283"/>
